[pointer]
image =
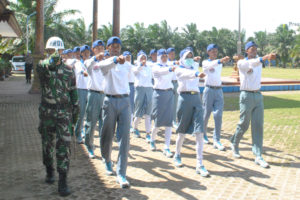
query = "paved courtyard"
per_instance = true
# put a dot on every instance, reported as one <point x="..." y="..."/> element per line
<point x="151" y="174"/>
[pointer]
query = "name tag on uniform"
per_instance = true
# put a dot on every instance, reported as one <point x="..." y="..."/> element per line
<point x="60" y="71"/>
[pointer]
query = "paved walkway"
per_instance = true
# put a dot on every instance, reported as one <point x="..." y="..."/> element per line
<point x="151" y="174"/>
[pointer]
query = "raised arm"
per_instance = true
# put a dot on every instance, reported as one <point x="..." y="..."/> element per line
<point x="160" y="71"/>
<point x="208" y="65"/>
<point x="184" y="74"/>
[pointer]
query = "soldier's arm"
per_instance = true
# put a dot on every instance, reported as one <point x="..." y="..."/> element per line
<point x="43" y="70"/>
<point x="74" y="98"/>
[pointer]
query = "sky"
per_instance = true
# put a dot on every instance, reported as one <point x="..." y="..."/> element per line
<point x="257" y="15"/>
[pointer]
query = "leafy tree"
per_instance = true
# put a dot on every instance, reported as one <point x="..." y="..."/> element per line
<point x="283" y="42"/>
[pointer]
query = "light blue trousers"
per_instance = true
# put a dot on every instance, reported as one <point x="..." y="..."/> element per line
<point x="251" y="109"/>
<point x="131" y="96"/>
<point x="116" y="112"/>
<point x="213" y="101"/>
<point x="82" y="95"/>
<point x="93" y="114"/>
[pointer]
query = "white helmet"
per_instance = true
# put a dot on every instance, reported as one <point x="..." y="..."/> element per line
<point x="55" y="43"/>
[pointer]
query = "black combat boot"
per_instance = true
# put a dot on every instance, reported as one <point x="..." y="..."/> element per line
<point x="50" y="175"/>
<point x="63" y="189"/>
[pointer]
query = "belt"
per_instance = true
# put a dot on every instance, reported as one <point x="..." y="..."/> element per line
<point x="251" y="91"/>
<point x="54" y="106"/>
<point x="131" y="83"/>
<point x="170" y="89"/>
<point x="100" y="92"/>
<point x="174" y="81"/>
<point x="117" y="95"/>
<point x="190" y="92"/>
<point x="213" y="87"/>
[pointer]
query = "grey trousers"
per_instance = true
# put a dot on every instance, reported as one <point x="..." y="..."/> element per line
<point x="116" y="112"/>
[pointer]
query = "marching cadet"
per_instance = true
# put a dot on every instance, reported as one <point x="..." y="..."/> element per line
<point x="58" y="112"/>
<point x="153" y="60"/>
<point x="213" y="94"/>
<point x="82" y="80"/>
<point x="106" y="54"/>
<point x="128" y="58"/>
<point x="76" y="53"/>
<point x="69" y="54"/>
<point x="143" y="94"/>
<point x="153" y="56"/>
<point x="116" y="109"/>
<point x="251" y="103"/>
<point x="95" y="95"/>
<point x="172" y="62"/>
<point x="163" y="101"/>
<point x="189" y="110"/>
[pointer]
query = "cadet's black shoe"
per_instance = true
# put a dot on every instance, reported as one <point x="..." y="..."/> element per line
<point x="50" y="175"/>
<point x="63" y="188"/>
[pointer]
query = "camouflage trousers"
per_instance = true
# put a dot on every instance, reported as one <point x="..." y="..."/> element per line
<point x="55" y="128"/>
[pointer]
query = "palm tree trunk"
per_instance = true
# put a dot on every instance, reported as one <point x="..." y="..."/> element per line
<point x="116" y="18"/>
<point x="95" y="20"/>
<point x="39" y="45"/>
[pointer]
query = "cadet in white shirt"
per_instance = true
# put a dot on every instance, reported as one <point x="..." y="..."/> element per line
<point x="172" y="62"/>
<point x="153" y="56"/>
<point x="189" y="110"/>
<point x="163" y="100"/>
<point x="212" y="98"/>
<point x="153" y="60"/>
<point x="106" y="54"/>
<point x="251" y="103"/>
<point x="95" y="95"/>
<point x="76" y="53"/>
<point x="82" y="88"/>
<point x="116" y="109"/>
<point x="128" y="59"/>
<point x="143" y="94"/>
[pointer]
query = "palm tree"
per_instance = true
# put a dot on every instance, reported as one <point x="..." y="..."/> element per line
<point x="79" y="34"/>
<point x="134" y="38"/>
<point x="295" y="52"/>
<point x="261" y="39"/>
<point x="283" y="43"/>
<point x="105" y="32"/>
<point x="54" y="24"/>
<point x="191" y="36"/>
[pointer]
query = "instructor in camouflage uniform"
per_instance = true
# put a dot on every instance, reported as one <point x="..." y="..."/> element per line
<point x="58" y="113"/>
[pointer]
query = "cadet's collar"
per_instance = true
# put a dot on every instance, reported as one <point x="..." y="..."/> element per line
<point x="181" y="66"/>
<point x="161" y="65"/>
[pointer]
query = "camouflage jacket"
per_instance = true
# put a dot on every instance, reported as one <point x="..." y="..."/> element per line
<point x="58" y="85"/>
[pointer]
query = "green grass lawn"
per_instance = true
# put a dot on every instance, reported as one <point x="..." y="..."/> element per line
<point x="281" y="119"/>
<point x="280" y="73"/>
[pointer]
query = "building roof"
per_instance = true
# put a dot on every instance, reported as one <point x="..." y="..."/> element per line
<point x="9" y="26"/>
